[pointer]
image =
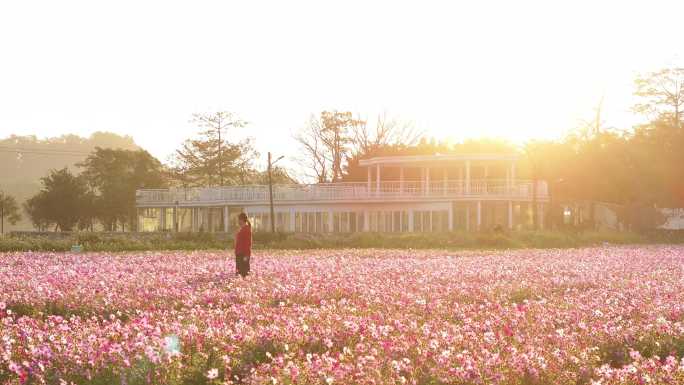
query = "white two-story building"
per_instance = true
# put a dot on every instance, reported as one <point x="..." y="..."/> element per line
<point x="401" y="194"/>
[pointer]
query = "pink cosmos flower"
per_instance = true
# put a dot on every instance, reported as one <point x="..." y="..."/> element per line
<point x="212" y="373"/>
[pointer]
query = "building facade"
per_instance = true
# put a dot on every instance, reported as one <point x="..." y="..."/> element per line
<point x="401" y="194"/>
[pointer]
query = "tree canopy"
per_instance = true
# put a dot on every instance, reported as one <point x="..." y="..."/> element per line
<point x="9" y="210"/>
<point x="59" y="202"/>
<point x="113" y="176"/>
<point x="213" y="157"/>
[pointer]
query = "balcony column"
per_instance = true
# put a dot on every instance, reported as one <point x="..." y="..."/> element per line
<point x="512" y="175"/>
<point x="377" y="179"/>
<point x="451" y="216"/>
<point x="445" y="185"/>
<point x="162" y="212"/>
<point x="331" y="226"/>
<point x="401" y="180"/>
<point x="479" y="215"/>
<point x="366" y="222"/>
<point x="540" y="216"/>
<point x="370" y="172"/>
<point x="225" y="219"/>
<point x="410" y="221"/>
<point x="508" y="181"/>
<point x="427" y="180"/>
<point x="467" y="217"/>
<point x="293" y="223"/>
<point x="510" y="214"/>
<point x="467" y="177"/>
<point x="175" y="219"/>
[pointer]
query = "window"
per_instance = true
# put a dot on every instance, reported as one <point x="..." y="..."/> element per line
<point x="311" y="222"/>
<point x="427" y="221"/>
<point x="436" y="221"/>
<point x="319" y="222"/>
<point x="298" y="222"/>
<point x="283" y="222"/>
<point x="344" y="222"/>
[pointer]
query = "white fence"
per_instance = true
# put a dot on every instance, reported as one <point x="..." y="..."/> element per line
<point x="389" y="190"/>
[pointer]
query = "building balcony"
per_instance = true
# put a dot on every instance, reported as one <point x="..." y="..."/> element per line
<point x="357" y="192"/>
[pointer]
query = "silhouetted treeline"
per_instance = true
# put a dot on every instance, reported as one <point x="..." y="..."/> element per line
<point x="639" y="168"/>
<point x="26" y="159"/>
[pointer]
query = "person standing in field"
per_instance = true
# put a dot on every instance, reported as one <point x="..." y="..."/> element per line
<point x="243" y="246"/>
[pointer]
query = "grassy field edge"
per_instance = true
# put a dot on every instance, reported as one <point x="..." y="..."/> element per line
<point x="208" y="241"/>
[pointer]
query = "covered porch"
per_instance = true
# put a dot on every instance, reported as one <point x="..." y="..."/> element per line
<point x="427" y="173"/>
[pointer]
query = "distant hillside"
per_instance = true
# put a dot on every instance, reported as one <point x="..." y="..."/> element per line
<point x="26" y="159"/>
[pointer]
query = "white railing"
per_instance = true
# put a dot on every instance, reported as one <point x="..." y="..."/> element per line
<point x="387" y="190"/>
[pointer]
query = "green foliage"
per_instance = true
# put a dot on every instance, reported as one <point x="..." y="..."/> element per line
<point x="33" y="158"/>
<point x="210" y="159"/>
<point x="60" y="201"/>
<point x="521" y="294"/>
<point x="616" y="352"/>
<point x="9" y="210"/>
<point x="113" y="242"/>
<point x="113" y="177"/>
<point x="661" y="95"/>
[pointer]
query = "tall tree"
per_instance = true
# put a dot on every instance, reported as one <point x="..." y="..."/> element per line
<point x="335" y="130"/>
<point x="315" y="159"/>
<point x="37" y="211"/>
<point x="8" y="210"/>
<point x="113" y="177"/>
<point x="326" y="143"/>
<point x="386" y="132"/>
<point x="661" y="95"/>
<point x="59" y="201"/>
<point x="212" y="159"/>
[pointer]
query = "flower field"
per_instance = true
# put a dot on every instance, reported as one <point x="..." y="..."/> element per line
<point x="582" y="316"/>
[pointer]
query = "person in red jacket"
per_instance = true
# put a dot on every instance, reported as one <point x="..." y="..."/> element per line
<point x="243" y="246"/>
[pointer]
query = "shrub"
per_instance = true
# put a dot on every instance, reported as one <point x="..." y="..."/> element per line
<point x="114" y="242"/>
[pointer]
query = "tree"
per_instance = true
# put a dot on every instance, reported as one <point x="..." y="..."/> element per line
<point x="315" y="160"/>
<point x="59" y="201"/>
<point x="278" y="175"/>
<point x="37" y="211"/>
<point x="8" y="209"/>
<point x="662" y="95"/>
<point x="335" y="128"/>
<point x="655" y="150"/>
<point x="325" y="142"/>
<point x="334" y="139"/>
<point x="113" y="176"/>
<point x="386" y="132"/>
<point x="210" y="159"/>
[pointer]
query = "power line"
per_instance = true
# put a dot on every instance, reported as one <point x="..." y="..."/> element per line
<point x="19" y="150"/>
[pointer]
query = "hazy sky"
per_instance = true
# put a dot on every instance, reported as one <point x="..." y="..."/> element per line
<point x="515" y="69"/>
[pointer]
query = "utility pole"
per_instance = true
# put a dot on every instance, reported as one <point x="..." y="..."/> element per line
<point x="270" y="189"/>
<point x="220" y="159"/>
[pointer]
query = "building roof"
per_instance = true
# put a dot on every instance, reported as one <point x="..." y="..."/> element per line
<point x="437" y="158"/>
